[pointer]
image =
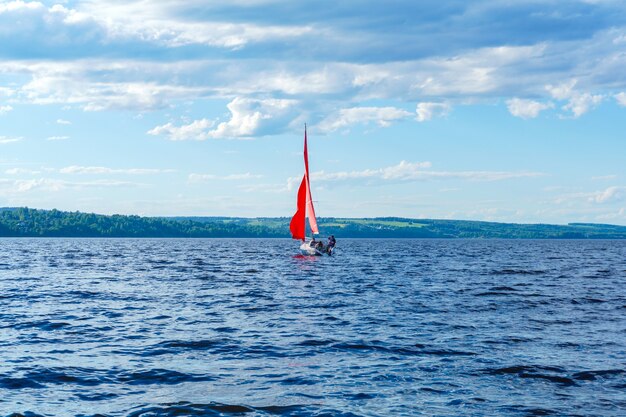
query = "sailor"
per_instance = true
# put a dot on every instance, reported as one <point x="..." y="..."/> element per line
<point x="331" y="244"/>
<point x="313" y="243"/>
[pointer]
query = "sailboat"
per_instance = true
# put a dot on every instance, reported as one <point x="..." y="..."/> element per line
<point x="305" y="210"/>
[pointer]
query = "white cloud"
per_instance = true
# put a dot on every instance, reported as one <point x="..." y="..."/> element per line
<point x="5" y="109"/>
<point x="476" y="72"/>
<point x="578" y="103"/>
<point x="6" y="139"/>
<point x="418" y="171"/>
<point x="329" y="79"/>
<point x="232" y="177"/>
<point x="614" y="215"/>
<point x="32" y="24"/>
<point x="339" y="67"/>
<point x="144" y="85"/>
<point x="96" y="170"/>
<point x="526" y="109"/>
<point x="173" y="33"/>
<point x="127" y="86"/>
<point x="6" y="92"/>
<point x="21" y="171"/>
<point x="153" y="23"/>
<point x="582" y="103"/>
<point x="251" y="117"/>
<point x="138" y="95"/>
<point x="55" y="138"/>
<point x="63" y="122"/>
<point x="158" y="23"/>
<point x="197" y="130"/>
<point x="563" y="91"/>
<point x="609" y="195"/>
<point x="383" y="116"/>
<point x="604" y="177"/>
<point x="292" y="182"/>
<point x="98" y="84"/>
<point x="20" y="5"/>
<point x="54" y="185"/>
<point x="426" y="110"/>
<point x="621" y="98"/>
<point x="265" y="188"/>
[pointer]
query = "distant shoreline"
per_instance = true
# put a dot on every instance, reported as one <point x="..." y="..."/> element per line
<point x="342" y="238"/>
<point x="26" y="222"/>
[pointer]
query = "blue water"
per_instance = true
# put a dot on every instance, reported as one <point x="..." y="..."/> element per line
<point x="125" y="327"/>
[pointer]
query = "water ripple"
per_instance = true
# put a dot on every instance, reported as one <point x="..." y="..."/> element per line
<point x="202" y="327"/>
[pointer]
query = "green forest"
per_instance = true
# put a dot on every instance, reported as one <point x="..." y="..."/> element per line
<point x="27" y="222"/>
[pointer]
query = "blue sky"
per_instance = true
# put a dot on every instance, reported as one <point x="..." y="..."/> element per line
<point x="494" y="110"/>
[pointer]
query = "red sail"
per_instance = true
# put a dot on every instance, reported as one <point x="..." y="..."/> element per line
<point x="310" y="210"/>
<point x="297" y="225"/>
<point x="305" y="203"/>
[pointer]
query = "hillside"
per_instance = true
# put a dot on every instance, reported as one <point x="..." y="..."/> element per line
<point x="26" y="222"/>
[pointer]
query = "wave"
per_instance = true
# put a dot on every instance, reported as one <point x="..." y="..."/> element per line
<point x="41" y="377"/>
<point x="314" y="342"/>
<point x="510" y="271"/>
<point x="532" y="411"/>
<point x="413" y="350"/>
<point x="593" y="375"/>
<point x="212" y="409"/>
<point x="554" y="374"/>
<point x="46" y="325"/>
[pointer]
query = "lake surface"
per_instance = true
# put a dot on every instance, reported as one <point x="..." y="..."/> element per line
<point x="166" y="327"/>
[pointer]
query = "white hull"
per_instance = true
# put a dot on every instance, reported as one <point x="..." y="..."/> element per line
<point x="307" y="250"/>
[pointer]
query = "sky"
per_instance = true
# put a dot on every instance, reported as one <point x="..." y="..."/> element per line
<point x="498" y="110"/>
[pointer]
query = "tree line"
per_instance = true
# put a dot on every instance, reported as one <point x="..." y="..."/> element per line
<point x="27" y="222"/>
